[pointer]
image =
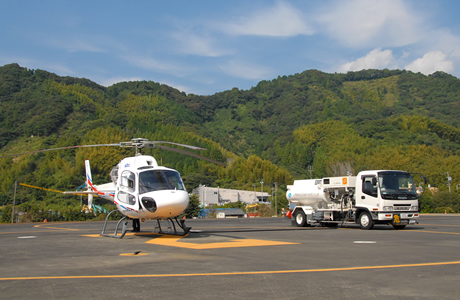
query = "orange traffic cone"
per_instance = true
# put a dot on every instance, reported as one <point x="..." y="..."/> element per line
<point x="289" y="214"/>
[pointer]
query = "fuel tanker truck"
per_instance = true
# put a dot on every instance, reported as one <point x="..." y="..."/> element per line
<point x="371" y="197"/>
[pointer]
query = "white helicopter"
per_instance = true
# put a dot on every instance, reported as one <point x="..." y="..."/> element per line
<point x="140" y="188"/>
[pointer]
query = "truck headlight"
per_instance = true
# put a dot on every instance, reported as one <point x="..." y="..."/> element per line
<point x="387" y="208"/>
<point x="414" y="208"/>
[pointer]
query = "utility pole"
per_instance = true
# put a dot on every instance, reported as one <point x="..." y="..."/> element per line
<point x="276" y="203"/>
<point x="14" y="201"/>
<point x="310" y="169"/>
<point x="272" y="191"/>
<point x="449" y="180"/>
<point x="262" y="189"/>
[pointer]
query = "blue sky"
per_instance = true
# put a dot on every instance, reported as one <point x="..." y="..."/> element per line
<point x="204" y="47"/>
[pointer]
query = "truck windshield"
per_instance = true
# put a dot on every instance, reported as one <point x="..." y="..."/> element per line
<point x="159" y="180"/>
<point x="397" y="186"/>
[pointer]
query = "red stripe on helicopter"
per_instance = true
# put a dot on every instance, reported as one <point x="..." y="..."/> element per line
<point x="126" y="208"/>
<point x="94" y="189"/>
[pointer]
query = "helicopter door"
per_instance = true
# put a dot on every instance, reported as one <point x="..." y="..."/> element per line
<point x="126" y="194"/>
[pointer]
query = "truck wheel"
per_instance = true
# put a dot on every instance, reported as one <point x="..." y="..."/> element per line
<point x="300" y="218"/>
<point x="399" y="226"/>
<point x="365" y="221"/>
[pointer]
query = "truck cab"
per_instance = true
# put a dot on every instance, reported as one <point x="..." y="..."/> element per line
<point x="385" y="197"/>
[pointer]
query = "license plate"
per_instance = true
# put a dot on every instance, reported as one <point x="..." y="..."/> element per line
<point x="396" y="219"/>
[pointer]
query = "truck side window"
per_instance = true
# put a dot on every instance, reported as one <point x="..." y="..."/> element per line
<point x="370" y="185"/>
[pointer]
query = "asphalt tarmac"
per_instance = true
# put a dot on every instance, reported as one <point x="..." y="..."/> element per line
<point x="260" y="258"/>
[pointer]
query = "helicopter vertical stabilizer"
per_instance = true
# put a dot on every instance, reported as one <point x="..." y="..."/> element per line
<point x="89" y="179"/>
<point x="89" y="183"/>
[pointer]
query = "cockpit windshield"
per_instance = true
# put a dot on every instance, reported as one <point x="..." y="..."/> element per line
<point x="157" y="180"/>
<point x="397" y="186"/>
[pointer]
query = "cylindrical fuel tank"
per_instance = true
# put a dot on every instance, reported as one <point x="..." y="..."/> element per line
<point x="306" y="193"/>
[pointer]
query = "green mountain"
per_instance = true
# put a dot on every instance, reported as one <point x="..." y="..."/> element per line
<point x="371" y="119"/>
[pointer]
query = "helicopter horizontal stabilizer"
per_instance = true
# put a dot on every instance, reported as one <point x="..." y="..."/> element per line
<point x="82" y="193"/>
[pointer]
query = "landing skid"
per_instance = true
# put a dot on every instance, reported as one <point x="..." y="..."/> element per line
<point x="115" y="234"/>
<point x="172" y="227"/>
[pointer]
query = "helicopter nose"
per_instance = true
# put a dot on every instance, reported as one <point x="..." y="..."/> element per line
<point x="166" y="204"/>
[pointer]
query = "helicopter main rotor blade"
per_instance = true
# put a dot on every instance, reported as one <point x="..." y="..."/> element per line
<point x="137" y="143"/>
<point x="192" y="154"/>
<point x="60" y="148"/>
<point x="182" y="145"/>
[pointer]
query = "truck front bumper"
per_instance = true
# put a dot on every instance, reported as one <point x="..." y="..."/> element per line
<point x="400" y="218"/>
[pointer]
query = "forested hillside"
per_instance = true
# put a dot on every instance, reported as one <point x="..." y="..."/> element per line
<point x="372" y="119"/>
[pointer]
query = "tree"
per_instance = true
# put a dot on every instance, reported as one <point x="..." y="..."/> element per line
<point x="5" y="216"/>
<point x="446" y="201"/>
<point x="193" y="209"/>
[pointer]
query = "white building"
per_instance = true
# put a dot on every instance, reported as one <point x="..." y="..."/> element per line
<point x="210" y="195"/>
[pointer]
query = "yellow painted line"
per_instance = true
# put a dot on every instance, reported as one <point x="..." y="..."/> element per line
<point x="22" y="232"/>
<point x="234" y="273"/>
<point x="51" y="227"/>
<point x="435" y="232"/>
<point x="119" y="233"/>
<point x="132" y="254"/>
<point x="439" y="225"/>
<point x="426" y="231"/>
<point x="35" y="231"/>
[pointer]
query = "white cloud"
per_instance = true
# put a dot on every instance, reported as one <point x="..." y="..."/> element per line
<point x="383" y="23"/>
<point x="431" y="62"/>
<point x="376" y="59"/>
<point x="279" y="20"/>
<point x="75" y="45"/>
<point x="245" y="70"/>
<point x="445" y="41"/>
<point x="198" y="45"/>
<point x="154" y="64"/>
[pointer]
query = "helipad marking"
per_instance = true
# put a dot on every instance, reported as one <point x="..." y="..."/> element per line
<point x="173" y="241"/>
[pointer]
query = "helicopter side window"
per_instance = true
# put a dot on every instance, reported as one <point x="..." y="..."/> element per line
<point x="128" y="180"/>
<point x="126" y="198"/>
